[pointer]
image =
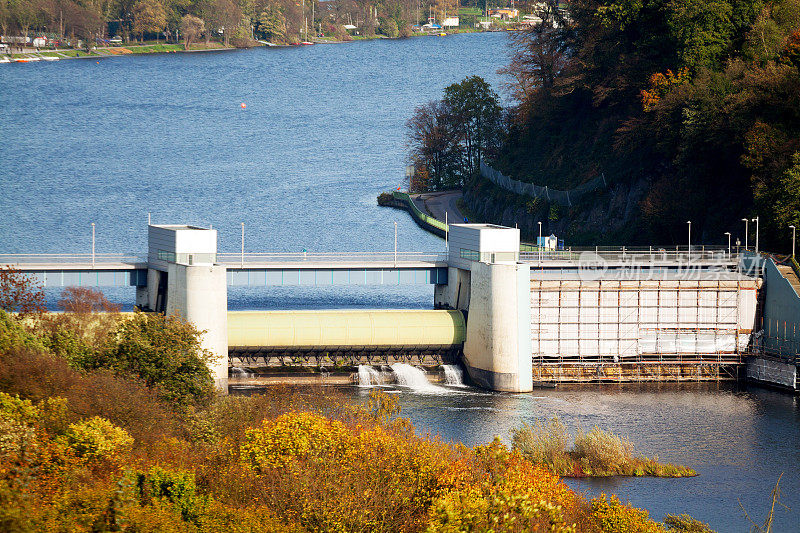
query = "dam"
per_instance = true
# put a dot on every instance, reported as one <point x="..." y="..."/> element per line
<point x="513" y="315"/>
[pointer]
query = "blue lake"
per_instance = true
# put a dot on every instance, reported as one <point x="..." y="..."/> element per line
<point x="321" y="136"/>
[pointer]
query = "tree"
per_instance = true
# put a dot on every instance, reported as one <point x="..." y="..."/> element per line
<point x="475" y="109"/>
<point x="149" y="17"/>
<point x="19" y="293"/>
<point x="433" y="140"/>
<point x="191" y="27"/>
<point x="540" y="54"/>
<point x="272" y="23"/>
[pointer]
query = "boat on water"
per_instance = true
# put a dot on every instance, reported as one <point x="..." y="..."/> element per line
<point x="306" y="42"/>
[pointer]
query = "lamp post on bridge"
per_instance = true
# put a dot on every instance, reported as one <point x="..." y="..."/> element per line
<point x="728" y="233"/>
<point x="690" y="240"/>
<point x="93" y="244"/>
<point x="539" y="244"/>
<point x="794" y="235"/>
<point x="746" y="230"/>
<point x="756" y="221"/>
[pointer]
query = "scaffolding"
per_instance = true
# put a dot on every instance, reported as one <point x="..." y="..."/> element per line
<point x="639" y="328"/>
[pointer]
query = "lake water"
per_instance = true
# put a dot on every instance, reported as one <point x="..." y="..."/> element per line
<point x="322" y="135"/>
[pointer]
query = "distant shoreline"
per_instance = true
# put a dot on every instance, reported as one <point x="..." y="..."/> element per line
<point x="29" y="56"/>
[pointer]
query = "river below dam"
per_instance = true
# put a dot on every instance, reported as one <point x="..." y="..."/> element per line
<point x="322" y="134"/>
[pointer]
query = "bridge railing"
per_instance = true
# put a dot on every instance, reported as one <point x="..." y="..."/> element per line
<point x="69" y="259"/>
<point x="632" y="255"/>
<point x="249" y="259"/>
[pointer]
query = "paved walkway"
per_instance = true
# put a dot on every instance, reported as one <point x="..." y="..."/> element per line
<point x="790" y="276"/>
<point x="437" y="203"/>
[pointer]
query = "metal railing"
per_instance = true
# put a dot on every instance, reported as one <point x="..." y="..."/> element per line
<point x="644" y="254"/>
<point x="24" y="260"/>
<point x="233" y="259"/>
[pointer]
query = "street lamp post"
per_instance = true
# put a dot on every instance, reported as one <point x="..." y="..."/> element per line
<point x="728" y="233"/>
<point x="794" y="235"/>
<point x="242" y="260"/>
<point x="756" y="221"/>
<point x="539" y="244"/>
<point x="746" y="230"/>
<point x="395" y="244"/>
<point x="92" y="244"/>
<point x="690" y="240"/>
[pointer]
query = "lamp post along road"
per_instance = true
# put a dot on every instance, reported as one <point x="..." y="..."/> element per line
<point x="794" y="235"/>
<point x="395" y="244"/>
<point x="93" y="244"/>
<point x="728" y="233"/>
<point x="242" y="262"/>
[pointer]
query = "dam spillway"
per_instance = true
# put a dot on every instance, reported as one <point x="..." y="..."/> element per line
<point x="344" y="336"/>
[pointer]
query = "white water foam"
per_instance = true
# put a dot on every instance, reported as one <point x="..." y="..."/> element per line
<point x="453" y="375"/>
<point x="368" y="376"/>
<point x="237" y="372"/>
<point x="414" y="378"/>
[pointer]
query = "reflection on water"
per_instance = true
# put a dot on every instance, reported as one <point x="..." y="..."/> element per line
<point x="739" y="440"/>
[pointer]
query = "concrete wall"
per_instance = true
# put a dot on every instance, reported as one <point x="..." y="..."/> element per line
<point x="772" y="372"/>
<point x="199" y="294"/>
<point x="454" y="294"/>
<point x="497" y="350"/>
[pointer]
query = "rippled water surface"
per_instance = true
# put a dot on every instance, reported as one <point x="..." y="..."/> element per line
<point x="322" y="135"/>
<point x="739" y="441"/>
<point x="320" y="138"/>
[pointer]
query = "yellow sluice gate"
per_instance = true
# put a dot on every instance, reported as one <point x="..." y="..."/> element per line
<point x="320" y="331"/>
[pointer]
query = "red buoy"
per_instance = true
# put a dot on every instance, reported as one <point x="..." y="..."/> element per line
<point x="244" y="106"/>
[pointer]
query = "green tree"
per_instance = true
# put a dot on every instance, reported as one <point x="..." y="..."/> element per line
<point x="388" y="27"/>
<point x="475" y="109"/>
<point x="703" y="31"/>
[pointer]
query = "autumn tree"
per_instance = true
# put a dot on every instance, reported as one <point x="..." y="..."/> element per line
<point x="149" y="17"/>
<point x="191" y="28"/>
<point x="20" y="293"/>
<point x="272" y="23"/>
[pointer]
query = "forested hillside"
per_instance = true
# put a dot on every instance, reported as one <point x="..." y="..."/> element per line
<point x="689" y="108"/>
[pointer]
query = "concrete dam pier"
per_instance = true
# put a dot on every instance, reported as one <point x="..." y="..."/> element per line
<point x="513" y="315"/>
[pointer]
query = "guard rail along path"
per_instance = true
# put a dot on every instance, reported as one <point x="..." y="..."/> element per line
<point x="564" y="198"/>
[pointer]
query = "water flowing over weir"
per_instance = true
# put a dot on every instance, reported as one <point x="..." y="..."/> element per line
<point x="453" y="375"/>
<point x="369" y="376"/>
<point x="414" y="378"/>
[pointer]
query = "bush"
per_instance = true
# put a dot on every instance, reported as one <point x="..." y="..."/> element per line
<point x="385" y="199"/>
<point x="612" y="516"/>
<point x="164" y="352"/>
<point x="388" y="27"/>
<point x="602" y="451"/>
<point x="543" y="444"/>
<point x="98" y="440"/>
